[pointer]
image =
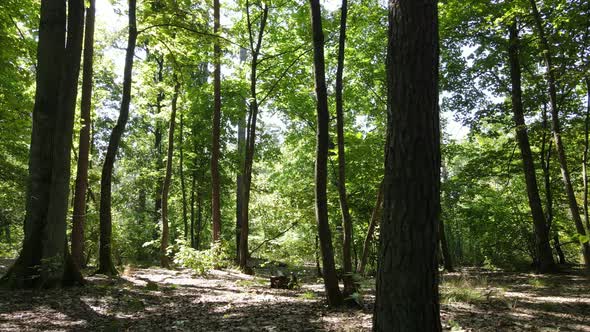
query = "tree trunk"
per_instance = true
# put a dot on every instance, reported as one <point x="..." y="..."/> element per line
<point x="199" y="219"/>
<point x="215" y="148"/>
<point x="585" y="156"/>
<point x="192" y="203"/>
<point x="158" y="144"/>
<point x="349" y="286"/>
<point x="44" y="260"/>
<point x="561" y="155"/>
<point x="240" y="175"/>
<point x="79" y="216"/>
<point x="374" y="219"/>
<point x="164" y="260"/>
<point x="239" y="186"/>
<point x="250" y="135"/>
<point x="407" y="278"/>
<point x="333" y="294"/>
<point x="446" y="254"/>
<point x="544" y="257"/>
<point x="106" y="265"/>
<point x="182" y="179"/>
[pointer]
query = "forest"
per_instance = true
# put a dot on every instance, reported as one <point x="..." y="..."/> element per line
<point x="281" y="165"/>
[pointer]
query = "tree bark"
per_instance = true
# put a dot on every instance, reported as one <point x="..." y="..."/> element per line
<point x="182" y="179"/>
<point x="374" y="219"/>
<point x="44" y="260"/>
<point x="215" y="148"/>
<point x="158" y="143"/>
<point x="240" y="175"/>
<point x="164" y="260"/>
<point x="106" y="265"/>
<point x="79" y="216"/>
<point x="333" y="294"/>
<point x="250" y="135"/>
<point x="556" y="128"/>
<point x="192" y="204"/>
<point x="585" y="156"/>
<point x="544" y="257"/>
<point x="407" y="278"/>
<point x="349" y="286"/>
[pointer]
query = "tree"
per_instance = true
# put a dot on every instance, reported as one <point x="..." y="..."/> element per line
<point x="164" y="260"/>
<point x="543" y="250"/>
<point x="255" y="45"/>
<point x="216" y="132"/>
<point x="79" y="216"/>
<point x="106" y="265"/>
<point x="556" y="129"/>
<point x="372" y="224"/>
<point x="333" y="294"/>
<point x="407" y="278"/>
<point x="349" y="287"/>
<point x="44" y="260"/>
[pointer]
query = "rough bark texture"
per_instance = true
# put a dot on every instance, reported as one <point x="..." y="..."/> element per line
<point x="79" y="217"/>
<point x="165" y="237"/>
<point x="556" y="128"/>
<point x="333" y="294"/>
<point x="250" y="135"/>
<point x="106" y="265"/>
<point x="44" y="260"/>
<point x="407" y="278"/>
<point x="372" y="224"/>
<point x="349" y="286"/>
<point x="215" y="149"/>
<point x="544" y="256"/>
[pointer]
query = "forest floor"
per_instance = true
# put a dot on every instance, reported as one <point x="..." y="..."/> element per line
<point x="154" y="299"/>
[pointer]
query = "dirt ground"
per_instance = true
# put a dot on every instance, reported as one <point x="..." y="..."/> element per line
<point x="154" y="299"/>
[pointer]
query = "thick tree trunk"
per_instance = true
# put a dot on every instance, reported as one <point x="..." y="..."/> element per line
<point x="164" y="260"/>
<point x="250" y="136"/>
<point x="543" y="249"/>
<point x="79" y="217"/>
<point x="333" y="294"/>
<point x="407" y="278"/>
<point x="556" y="128"/>
<point x="106" y="265"/>
<point x="182" y="180"/>
<point x="372" y="224"/>
<point x="44" y="260"/>
<point x="349" y="286"/>
<point x="215" y="148"/>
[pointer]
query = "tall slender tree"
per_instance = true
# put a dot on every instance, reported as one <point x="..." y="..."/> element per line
<point x="215" y="147"/>
<point x="545" y="261"/>
<point x="105" y="260"/>
<point x="333" y="294"/>
<point x="44" y="260"/>
<point x="79" y="217"/>
<point x="407" y="278"/>
<point x="556" y="129"/>
<point x="253" y="109"/>
<point x="164" y="260"/>
<point x="349" y="287"/>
